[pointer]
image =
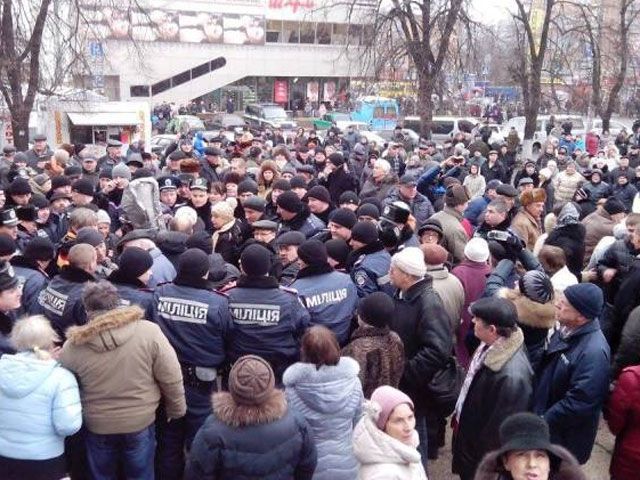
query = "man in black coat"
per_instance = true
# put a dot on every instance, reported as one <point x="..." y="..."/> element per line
<point x="498" y="384"/>
<point x="422" y="323"/>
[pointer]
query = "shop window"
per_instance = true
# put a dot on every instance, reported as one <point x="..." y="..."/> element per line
<point x="291" y="32"/>
<point x="323" y="34"/>
<point x="181" y="78"/>
<point x="340" y="32"/>
<point x="274" y="31"/>
<point x="355" y="34"/>
<point x="160" y="87"/>
<point x="139" y="90"/>
<point x="307" y="32"/>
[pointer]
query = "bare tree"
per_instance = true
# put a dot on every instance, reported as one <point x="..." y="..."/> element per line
<point x="42" y="42"/>
<point x="531" y="56"/>
<point x="420" y="30"/>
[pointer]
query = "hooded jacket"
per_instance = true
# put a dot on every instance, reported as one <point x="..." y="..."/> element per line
<point x="569" y="235"/>
<point x="491" y="467"/>
<point x="268" y="442"/>
<point x="125" y="366"/>
<point x="330" y="399"/>
<point x="381" y="456"/>
<point x="39" y="407"/>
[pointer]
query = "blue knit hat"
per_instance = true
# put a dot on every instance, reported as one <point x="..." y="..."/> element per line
<point x="586" y="298"/>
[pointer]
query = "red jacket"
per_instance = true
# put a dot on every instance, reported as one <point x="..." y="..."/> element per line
<point x="623" y="417"/>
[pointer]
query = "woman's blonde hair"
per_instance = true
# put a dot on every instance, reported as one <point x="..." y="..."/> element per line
<point x="34" y="333"/>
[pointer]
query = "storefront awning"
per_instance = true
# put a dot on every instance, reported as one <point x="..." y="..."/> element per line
<point x="104" y="118"/>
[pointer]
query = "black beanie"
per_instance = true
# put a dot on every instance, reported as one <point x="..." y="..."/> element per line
<point x="337" y="159"/>
<point x="319" y="193"/>
<point x="7" y="245"/>
<point x="364" y="232"/>
<point x="313" y="252"/>
<point x="255" y="260"/>
<point x="193" y="263"/>
<point x="39" y="248"/>
<point x="343" y="217"/>
<point x="247" y="186"/>
<point x="376" y="309"/>
<point x="613" y="206"/>
<point x="290" y="202"/>
<point x="298" y="182"/>
<point x="135" y="261"/>
<point x="338" y="250"/>
<point x="201" y="240"/>
<point x="281" y="184"/>
<point x="368" y="210"/>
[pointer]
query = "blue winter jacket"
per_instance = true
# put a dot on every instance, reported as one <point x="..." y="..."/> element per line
<point x="39" y="407"/>
<point x="330" y="399"/>
<point x="330" y="297"/>
<point x="268" y="320"/>
<point x="195" y="320"/>
<point x="370" y="271"/>
<point x="475" y="208"/>
<point x="572" y="385"/>
<point x="33" y="280"/>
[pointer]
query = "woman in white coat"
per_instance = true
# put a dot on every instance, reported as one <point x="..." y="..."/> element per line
<point x="385" y="440"/>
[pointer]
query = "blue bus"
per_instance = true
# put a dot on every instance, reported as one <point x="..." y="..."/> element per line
<point x="379" y="112"/>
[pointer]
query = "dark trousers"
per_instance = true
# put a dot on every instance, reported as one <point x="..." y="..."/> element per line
<point x="129" y="453"/>
<point x="16" y="469"/>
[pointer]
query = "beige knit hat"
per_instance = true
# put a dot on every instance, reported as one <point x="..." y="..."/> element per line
<point x="251" y="380"/>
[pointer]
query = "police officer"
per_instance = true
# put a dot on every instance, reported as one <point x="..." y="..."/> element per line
<point x="131" y="280"/>
<point x="295" y="215"/>
<point x="369" y="262"/>
<point x="395" y="231"/>
<point x="264" y="232"/>
<point x="30" y="268"/>
<point x="9" y="223"/>
<point x="60" y="302"/>
<point x="168" y="186"/>
<point x="330" y="297"/>
<point x="268" y="320"/>
<point x="288" y="244"/>
<point x="195" y="319"/>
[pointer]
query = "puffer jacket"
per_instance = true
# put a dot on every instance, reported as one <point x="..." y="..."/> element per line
<point x="267" y="442"/>
<point x="623" y="417"/>
<point x="566" y="185"/>
<point x="330" y="399"/>
<point x="381" y="456"/>
<point x="39" y="407"/>
<point x="491" y="467"/>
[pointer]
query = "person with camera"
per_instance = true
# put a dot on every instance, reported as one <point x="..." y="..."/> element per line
<point x="396" y="227"/>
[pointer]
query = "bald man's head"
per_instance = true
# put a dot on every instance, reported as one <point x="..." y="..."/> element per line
<point x="84" y="257"/>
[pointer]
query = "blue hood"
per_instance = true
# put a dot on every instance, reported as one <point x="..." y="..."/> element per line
<point x="22" y="373"/>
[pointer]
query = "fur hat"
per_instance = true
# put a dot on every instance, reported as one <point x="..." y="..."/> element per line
<point x="456" y="195"/>
<point x="251" y="380"/>
<point x="190" y="165"/>
<point x="532" y="196"/>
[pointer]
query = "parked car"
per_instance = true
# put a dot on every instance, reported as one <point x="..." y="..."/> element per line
<point x="442" y="128"/>
<point x="615" y="127"/>
<point x="374" y="137"/>
<point x="340" y="120"/>
<point x="226" y="121"/>
<point x="160" y="142"/>
<point x="185" y="124"/>
<point x="272" y="115"/>
<point x="540" y="135"/>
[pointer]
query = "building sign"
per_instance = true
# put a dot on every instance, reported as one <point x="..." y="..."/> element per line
<point x="161" y="25"/>
<point x="293" y="5"/>
<point x="281" y="91"/>
<point x="329" y="91"/>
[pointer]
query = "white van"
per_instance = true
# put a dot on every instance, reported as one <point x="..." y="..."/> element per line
<point x="540" y="135"/>
<point x="442" y="128"/>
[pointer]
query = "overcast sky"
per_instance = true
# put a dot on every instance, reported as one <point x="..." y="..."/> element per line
<point x="491" y="11"/>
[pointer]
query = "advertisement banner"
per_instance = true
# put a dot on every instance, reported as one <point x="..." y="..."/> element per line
<point x="281" y="91"/>
<point x="161" y="25"/>
<point x="313" y="91"/>
<point x="329" y="91"/>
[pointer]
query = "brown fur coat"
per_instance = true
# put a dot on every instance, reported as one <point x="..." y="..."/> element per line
<point x="380" y="353"/>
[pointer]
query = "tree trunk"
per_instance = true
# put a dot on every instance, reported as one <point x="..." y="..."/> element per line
<point x="20" y="126"/>
<point x="425" y="104"/>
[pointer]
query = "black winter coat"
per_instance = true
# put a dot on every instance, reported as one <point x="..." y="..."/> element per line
<point x="423" y="325"/>
<point x="628" y="353"/>
<point x="266" y="442"/>
<point x="340" y="181"/>
<point x="501" y="387"/>
<point x="570" y="238"/>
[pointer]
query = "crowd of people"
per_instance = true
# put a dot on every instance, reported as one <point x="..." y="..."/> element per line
<point x="326" y="309"/>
